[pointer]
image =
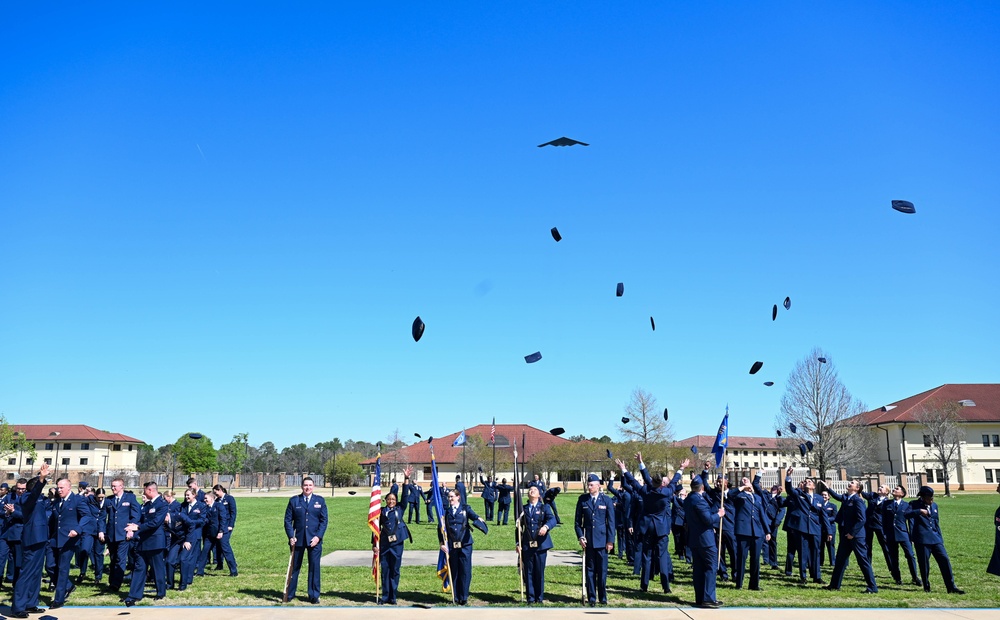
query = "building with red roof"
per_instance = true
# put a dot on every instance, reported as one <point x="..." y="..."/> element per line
<point x="908" y="444"/>
<point x="76" y="450"/>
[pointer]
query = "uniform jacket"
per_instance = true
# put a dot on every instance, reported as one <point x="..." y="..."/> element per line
<point x="305" y="519"/>
<point x="392" y="528"/>
<point x="176" y="530"/>
<point x="115" y="516"/>
<point x="192" y="519"/>
<point x="532" y="520"/>
<point x="656" y="502"/>
<point x="460" y="488"/>
<point x="31" y="508"/>
<point x="831" y="513"/>
<point x="894" y="521"/>
<point x="151" y="533"/>
<point x="810" y="518"/>
<point x="13" y="525"/>
<point x="503" y="494"/>
<point x="215" y="519"/>
<point x="701" y="521"/>
<point x="489" y="490"/>
<point x="925" y="530"/>
<point x="230" y="504"/>
<point x="70" y="514"/>
<point x="595" y="520"/>
<point x="751" y="516"/>
<point x="874" y="510"/>
<point x="623" y="505"/>
<point x="851" y="517"/>
<point x="458" y="525"/>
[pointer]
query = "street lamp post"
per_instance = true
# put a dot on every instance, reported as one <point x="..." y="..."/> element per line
<point x="55" y="434"/>
<point x="333" y="478"/>
<point x="104" y="472"/>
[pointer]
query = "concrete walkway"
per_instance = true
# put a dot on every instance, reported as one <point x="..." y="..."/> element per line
<point x="430" y="558"/>
<point x="511" y="613"/>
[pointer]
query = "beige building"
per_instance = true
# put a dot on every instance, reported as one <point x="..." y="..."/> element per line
<point x="81" y="452"/>
<point x="907" y="444"/>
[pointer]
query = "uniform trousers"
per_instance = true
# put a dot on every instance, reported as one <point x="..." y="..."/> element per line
<point x="858" y="547"/>
<point x="596" y="561"/>
<point x="534" y="573"/>
<point x="390" y="559"/>
<point x="924" y="553"/>
<point x="315" y="556"/>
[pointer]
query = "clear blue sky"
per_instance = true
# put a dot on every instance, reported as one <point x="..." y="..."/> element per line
<point x="224" y="218"/>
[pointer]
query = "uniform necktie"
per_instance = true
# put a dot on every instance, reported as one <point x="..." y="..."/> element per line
<point x="189" y="508"/>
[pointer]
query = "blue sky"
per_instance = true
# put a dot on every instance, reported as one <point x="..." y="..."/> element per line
<point x="225" y="218"/>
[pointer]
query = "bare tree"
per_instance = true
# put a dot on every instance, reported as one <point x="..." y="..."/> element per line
<point x="819" y="406"/>
<point x="943" y="424"/>
<point x="646" y="423"/>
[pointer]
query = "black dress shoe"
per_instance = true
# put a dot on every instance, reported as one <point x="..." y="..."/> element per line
<point x="870" y="591"/>
<point x="158" y="598"/>
<point x="314" y="601"/>
<point x="819" y="581"/>
<point x="830" y="587"/>
<point x="234" y="574"/>
<point x="917" y="582"/>
<point x="35" y="610"/>
<point x="54" y="605"/>
<point x="20" y="614"/>
<point x="956" y="591"/>
<point x="129" y="602"/>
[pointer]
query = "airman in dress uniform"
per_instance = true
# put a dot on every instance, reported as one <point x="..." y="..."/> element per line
<point x="532" y="541"/>
<point x="595" y="530"/>
<point x="459" y="519"/>
<point x="305" y="525"/>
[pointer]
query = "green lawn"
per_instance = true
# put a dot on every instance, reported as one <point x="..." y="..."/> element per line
<point x="261" y="551"/>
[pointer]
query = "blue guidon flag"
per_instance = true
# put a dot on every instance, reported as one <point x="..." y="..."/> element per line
<point x="721" y="440"/>
<point x="442" y="564"/>
<point x="459" y="441"/>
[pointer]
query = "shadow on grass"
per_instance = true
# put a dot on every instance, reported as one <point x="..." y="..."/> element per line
<point x="268" y="594"/>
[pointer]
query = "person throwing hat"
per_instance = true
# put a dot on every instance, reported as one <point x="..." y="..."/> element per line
<point x="926" y="536"/>
<point x="595" y="529"/>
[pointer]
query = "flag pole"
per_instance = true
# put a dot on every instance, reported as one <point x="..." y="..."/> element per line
<point x="722" y="501"/>
<point x="520" y="531"/>
<point x="443" y="531"/>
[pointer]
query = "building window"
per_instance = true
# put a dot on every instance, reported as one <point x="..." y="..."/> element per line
<point x="427" y="472"/>
<point x="48" y="461"/>
<point x="755" y="464"/>
<point x="940" y="475"/>
<point x="85" y="446"/>
<point x="130" y="447"/>
<point x="10" y="475"/>
<point x="116" y="447"/>
<point x="996" y="441"/>
<point x="67" y="446"/>
<point x="12" y="461"/>
<point x="84" y="461"/>
<point x="65" y="461"/>
<point x="755" y="453"/>
<point x="29" y="461"/>
<point x="50" y="446"/>
<point x="927" y="441"/>
<point x="986" y="441"/>
<point x="989" y="476"/>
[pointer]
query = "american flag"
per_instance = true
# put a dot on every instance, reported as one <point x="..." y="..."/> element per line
<point x="375" y="511"/>
<point x="493" y="432"/>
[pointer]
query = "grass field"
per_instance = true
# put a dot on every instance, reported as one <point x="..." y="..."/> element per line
<point x="262" y="553"/>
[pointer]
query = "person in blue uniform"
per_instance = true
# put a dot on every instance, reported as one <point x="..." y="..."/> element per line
<point x="192" y="516"/>
<point x="120" y="509"/>
<point x="719" y="497"/>
<point x="394" y="489"/>
<point x="793" y="542"/>
<point x="211" y="532"/>
<point x="623" y="502"/>
<point x="536" y="481"/>
<point x="994" y="566"/>
<point x="829" y="545"/>
<point x="460" y="487"/>
<point x="6" y="567"/>
<point x="812" y="526"/>
<point x="227" y="500"/>
<point x="752" y="529"/>
<point x="851" y="519"/>
<point x="926" y="536"/>
<point x="459" y="519"/>
<point x="305" y="525"/>
<point x="776" y="514"/>
<point x="595" y="530"/>
<point x="634" y="525"/>
<point x="413" y="495"/>
<point x="678" y="527"/>
<point x="427" y="497"/>
<point x="151" y="541"/>
<point x="86" y="554"/>
<point x="12" y="528"/>
<point x="34" y="540"/>
<point x="70" y="518"/>
<point x="873" y="528"/>
<point x="503" y="500"/>
<point x="702" y="522"/>
<point x="489" y="496"/>
<point x="532" y="542"/>
<point x="192" y="483"/>
<point x="176" y="533"/>
<point x="549" y="499"/>
<point x="896" y="527"/>
<point x="658" y="492"/>
<point x="392" y="534"/>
